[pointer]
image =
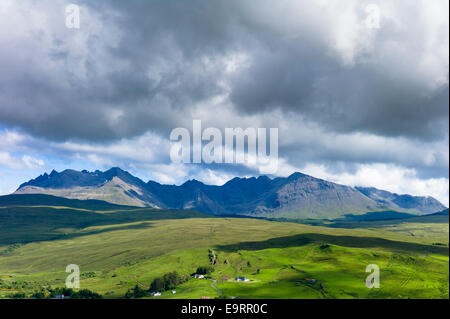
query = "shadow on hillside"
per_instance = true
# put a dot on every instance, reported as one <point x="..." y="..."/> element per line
<point x="345" y="241"/>
<point x="379" y="219"/>
<point x="30" y="224"/>
<point x="143" y="225"/>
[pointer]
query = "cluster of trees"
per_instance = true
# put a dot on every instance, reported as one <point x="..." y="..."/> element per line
<point x="204" y="270"/>
<point x="136" y="292"/>
<point x="167" y="282"/>
<point x="44" y="293"/>
<point x="67" y="292"/>
<point x="16" y="285"/>
<point x="80" y="294"/>
<point x="18" y="295"/>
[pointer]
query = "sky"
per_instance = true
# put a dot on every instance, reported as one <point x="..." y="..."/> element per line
<point x="354" y="102"/>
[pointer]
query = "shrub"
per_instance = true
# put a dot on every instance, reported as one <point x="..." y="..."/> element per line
<point x="38" y="295"/>
<point x="18" y="295"/>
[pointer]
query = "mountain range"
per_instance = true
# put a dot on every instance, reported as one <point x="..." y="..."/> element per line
<point x="296" y="196"/>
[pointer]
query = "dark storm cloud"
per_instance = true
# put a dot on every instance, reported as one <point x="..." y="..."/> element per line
<point x="151" y="61"/>
<point x="145" y="81"/>
<point x="383" y="91"/>
<point x="362" y="99"/>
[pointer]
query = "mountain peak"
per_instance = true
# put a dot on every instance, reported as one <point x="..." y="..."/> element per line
<point x="115" y="170"/>
<point x="296" y="175"/>
<point x="192" y="182"/>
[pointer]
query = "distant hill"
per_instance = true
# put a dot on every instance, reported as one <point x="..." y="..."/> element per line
<point x="444" y="212"/>
<point x="439" y="217"/>
<point x="296" y="196"/>
<point x="49" y="200"/>
<point x="408" y="203"/>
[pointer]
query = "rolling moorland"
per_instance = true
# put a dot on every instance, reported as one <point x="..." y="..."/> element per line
<point x="119" y="248"/>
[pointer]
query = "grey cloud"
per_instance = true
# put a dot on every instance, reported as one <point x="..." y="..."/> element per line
<point x="384" y="93"/>
<point x="138" y="66"/>
<point x="164" y="58"/>
<point x="47" y="94"/>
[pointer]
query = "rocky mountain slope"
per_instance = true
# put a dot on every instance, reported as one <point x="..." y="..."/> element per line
<point x="296" y="196"/>
<point x="409" y="203"/>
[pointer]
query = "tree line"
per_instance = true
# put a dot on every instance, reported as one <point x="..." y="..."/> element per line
<point x="168" y="281"/>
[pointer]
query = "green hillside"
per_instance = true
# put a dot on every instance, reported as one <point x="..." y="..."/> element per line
<point x="40" y="223"/>
<point x="119" y="249"/>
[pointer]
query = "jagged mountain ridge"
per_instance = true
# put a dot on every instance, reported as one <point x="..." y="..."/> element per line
<point x="296" y="196"/>
<point x="114" y="185"/>
<point x="403" y="202"/>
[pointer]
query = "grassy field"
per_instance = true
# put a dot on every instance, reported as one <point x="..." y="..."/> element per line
<point x="118" y="248"/>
